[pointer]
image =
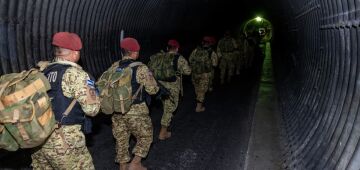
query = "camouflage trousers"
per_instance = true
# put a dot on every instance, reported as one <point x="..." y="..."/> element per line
<point x="211" y="78"/>
<point x="226" y="66"/>
<point x="238" y="61"/>
<point x="123" y="126"/>
<point x="64" y="149"/>
<point x="170" y="104"/>
<point x="201" y="84"/>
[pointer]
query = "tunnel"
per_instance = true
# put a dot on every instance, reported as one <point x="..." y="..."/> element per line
<point x="315" y="46"/>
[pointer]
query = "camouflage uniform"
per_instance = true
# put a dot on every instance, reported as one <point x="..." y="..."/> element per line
<point x="66" y="147"/>
<point x="170" y="104"/>
<point x="201" y="81"/>
<point x="225" y="51"/>
<point x="135" y="122"/>
<point x="239" y="55"/>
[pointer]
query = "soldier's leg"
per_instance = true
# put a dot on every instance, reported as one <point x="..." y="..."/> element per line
<point x="211" y="79"/>
<point x="203" y="87"/>
<point x="223" y="68"/>
<point x="231" y="68"/>
<point x="237" y="61"/>
<point x="39" y="161"/>
<point x="122" y="136"/>
<point x="196" y="82"/>
<point x="170" y="106"/>
<point x="66" y="149"/>
<point x="141" y="127"/>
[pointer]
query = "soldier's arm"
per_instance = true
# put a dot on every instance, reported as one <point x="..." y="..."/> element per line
<point x="76" y="84"/>
<point x="145" y="77"/>
<point x="183" y="66"/>
<point x="218" y="50"/>
<point x="192" y="55"/>
<point x="214" y="59"/>
<point x="234" y="43"/>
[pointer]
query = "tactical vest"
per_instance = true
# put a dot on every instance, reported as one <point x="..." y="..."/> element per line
<point x="59" y="102"/>
<point x="134" y="84"/>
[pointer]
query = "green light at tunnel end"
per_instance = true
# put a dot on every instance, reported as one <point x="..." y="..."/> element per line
<point x="258" y="19"/>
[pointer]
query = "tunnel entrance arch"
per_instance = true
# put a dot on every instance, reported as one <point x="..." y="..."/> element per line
<point x="259" y="30"/>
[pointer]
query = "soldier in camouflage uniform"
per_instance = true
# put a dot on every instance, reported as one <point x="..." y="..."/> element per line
<point x="202" y="60"/>
<point x="136" y="121"/>
<point x="239" y="55"/>
<point x="66" y="147"/>
<point x="170" y="104"/>
<point x="225" y="51"/>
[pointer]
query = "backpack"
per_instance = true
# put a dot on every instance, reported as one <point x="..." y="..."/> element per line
<point x="116" y="89"/>
<point x="200" y="61"/>
<point x="26" y="117"/>
<point x="164" y="66"/>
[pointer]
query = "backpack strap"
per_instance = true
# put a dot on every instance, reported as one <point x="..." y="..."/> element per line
<point x="175" y="61"/>
<point x="2" y="89"/>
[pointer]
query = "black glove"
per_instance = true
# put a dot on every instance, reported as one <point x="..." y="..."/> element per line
<point x="87" y="125"/>
<point x="163" y="93"/>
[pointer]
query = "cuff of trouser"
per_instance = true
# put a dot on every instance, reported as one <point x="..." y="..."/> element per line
<point x="142" y="155"/>
<point x="124" y="160"/>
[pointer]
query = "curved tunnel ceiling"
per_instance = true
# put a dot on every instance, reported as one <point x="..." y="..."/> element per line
<point x="316" y="44"/>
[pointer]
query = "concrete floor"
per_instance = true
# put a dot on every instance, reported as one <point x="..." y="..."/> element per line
<point x="264" y="145"/>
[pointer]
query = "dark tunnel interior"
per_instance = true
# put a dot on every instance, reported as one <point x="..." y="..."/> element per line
<point x="314" y="51"/>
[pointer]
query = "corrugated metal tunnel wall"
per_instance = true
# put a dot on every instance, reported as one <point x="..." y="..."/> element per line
<point x="320" y="95"/>
<point x="27" y="26"/>
<point x="316" y="69"/>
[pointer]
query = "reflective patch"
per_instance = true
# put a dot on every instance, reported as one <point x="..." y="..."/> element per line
<point x="119" y="70"/>
<point x="91" y="83"/>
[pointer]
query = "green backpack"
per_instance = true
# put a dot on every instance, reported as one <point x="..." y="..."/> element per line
<point x="26" y="117"/>
<point x="116" y="89"/>
<point x="164" y="66"/>
<point x="200" y="61"/>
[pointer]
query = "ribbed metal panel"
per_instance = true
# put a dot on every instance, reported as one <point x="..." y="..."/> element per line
<point x="320" y="97"/>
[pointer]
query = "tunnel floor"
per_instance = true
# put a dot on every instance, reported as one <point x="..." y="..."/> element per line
<point x="215" y="139"/>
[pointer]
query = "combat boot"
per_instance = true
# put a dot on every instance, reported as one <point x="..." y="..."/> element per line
<point x="136" y="164"/>
<point x="164" y="133"/>
<point x="199" y="107"/>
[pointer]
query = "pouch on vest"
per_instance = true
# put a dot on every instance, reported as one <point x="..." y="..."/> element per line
<point x="116" y="89"/>
<point x="26" y="117"/>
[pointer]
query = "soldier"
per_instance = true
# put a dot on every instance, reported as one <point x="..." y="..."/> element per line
<point x="136" y="121"/>
<point x="225" y="51"/>
<point x="202" y="60"/>
<point x="172" y="65"/>
<point x="239" y="55"/>
<point x="73" y="96"/>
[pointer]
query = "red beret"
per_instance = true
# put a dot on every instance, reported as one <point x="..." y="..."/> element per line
<point x="207" y="39"/>
<point x="174" y="43"/>
<point x="67" y="40"/>
<point x="212" y="40"/>
<point x="130" y="44"/>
